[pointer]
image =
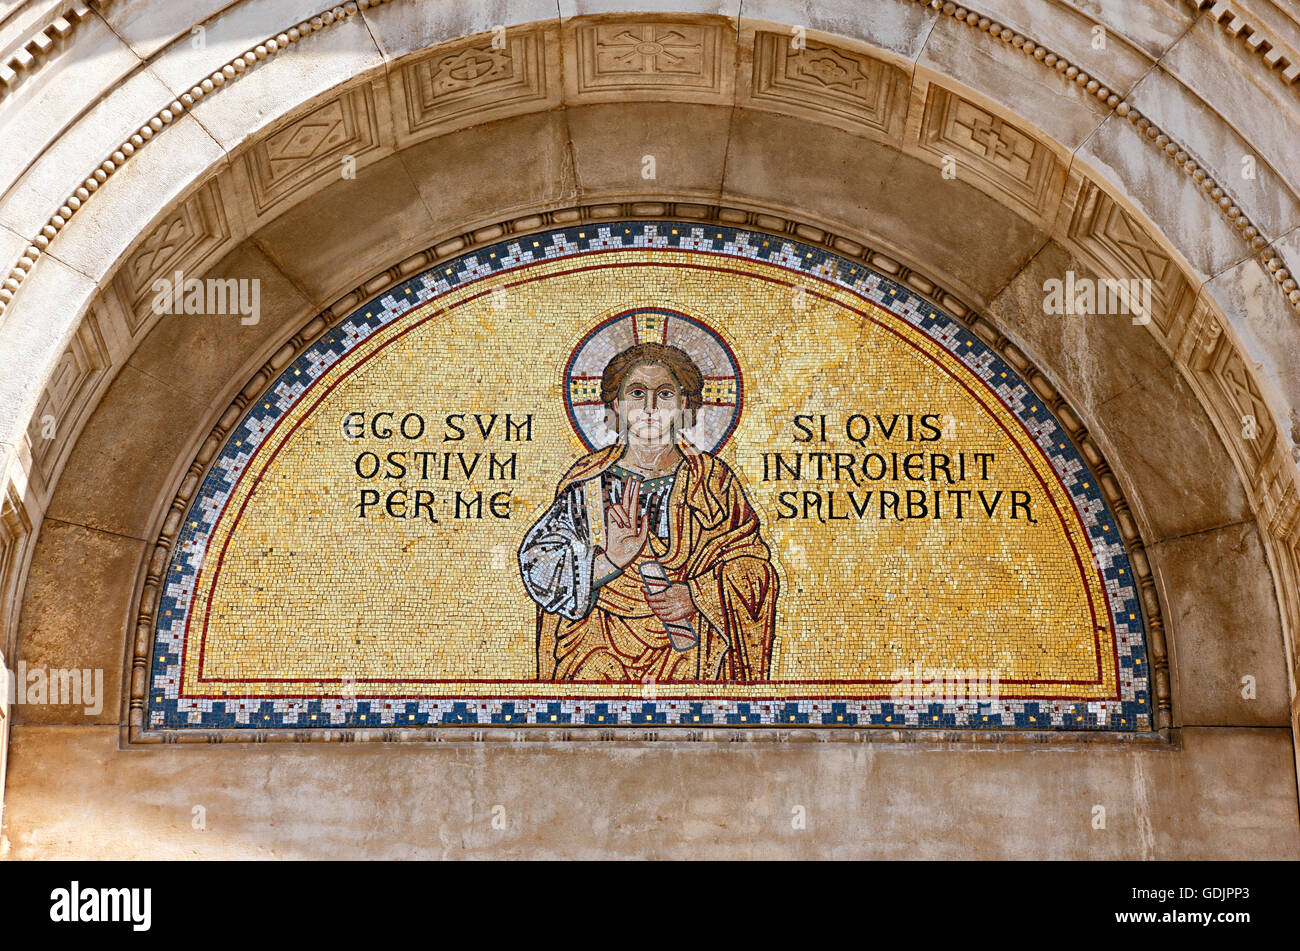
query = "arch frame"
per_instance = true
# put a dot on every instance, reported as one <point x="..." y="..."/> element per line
<point x="1200" y="345"/>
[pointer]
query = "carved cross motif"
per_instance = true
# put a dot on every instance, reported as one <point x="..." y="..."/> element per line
<point x="1245" y="396"/>
<point x="158" y="246"/>
<point x="449" y="86"/>
<point x="648" y="48"/>
<point x="829" y="68"/>
<point x="469" y="67"/>
<point x="821" y="79"/>
<point x="999" y="142"/>
<point x="1135" y="244"/>
<point x="180" y="240"/>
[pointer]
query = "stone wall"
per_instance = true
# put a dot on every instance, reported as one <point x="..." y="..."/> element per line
<point x="1134" y="173"/>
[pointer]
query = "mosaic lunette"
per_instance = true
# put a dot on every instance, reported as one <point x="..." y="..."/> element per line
<point x="856" y="602"/>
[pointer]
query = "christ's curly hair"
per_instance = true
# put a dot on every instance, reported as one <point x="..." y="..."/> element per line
<point x="679" y="363"/>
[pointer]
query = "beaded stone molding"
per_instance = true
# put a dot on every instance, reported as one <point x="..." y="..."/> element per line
<point x="239" y="65"/>
<point x="155" y="567"/>
<point x="159" y="121"/>
<point x="1152" y="133"/>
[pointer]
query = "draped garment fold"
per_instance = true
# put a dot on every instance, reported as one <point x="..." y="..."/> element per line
<point x="588" y="630"/>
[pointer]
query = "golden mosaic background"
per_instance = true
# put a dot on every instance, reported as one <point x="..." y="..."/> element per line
<point x="310" y="591"/>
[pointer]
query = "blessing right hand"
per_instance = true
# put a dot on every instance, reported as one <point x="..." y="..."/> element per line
<point x="625" y="530"/>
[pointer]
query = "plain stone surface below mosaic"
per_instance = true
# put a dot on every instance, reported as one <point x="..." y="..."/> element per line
<point x="649" y="473"/>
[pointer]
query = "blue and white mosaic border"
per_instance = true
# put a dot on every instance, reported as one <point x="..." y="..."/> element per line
<point x="167" y="710"/>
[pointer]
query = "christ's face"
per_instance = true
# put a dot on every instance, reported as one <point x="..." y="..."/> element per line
<point x="648" y="403"/>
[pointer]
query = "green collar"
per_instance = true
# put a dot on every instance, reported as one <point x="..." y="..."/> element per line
<point x="644" y="481"/>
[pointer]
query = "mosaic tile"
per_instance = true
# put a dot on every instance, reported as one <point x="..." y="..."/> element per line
<point x="403" y="531"/>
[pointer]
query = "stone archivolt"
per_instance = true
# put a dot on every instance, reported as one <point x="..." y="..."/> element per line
<point x="1245" y="22"/>
<point x="700" y="60"/>
<point x="664" y="57"/>
<point x="28" y="55"/>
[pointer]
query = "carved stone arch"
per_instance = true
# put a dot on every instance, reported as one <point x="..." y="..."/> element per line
<point x="1106" y="230"/>
<point x="1103" y="231"/>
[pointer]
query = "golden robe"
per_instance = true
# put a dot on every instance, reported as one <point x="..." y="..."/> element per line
<point x="714" y="547"/>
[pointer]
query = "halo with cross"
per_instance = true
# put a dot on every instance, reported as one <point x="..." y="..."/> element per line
<point x="723" y="394"/>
